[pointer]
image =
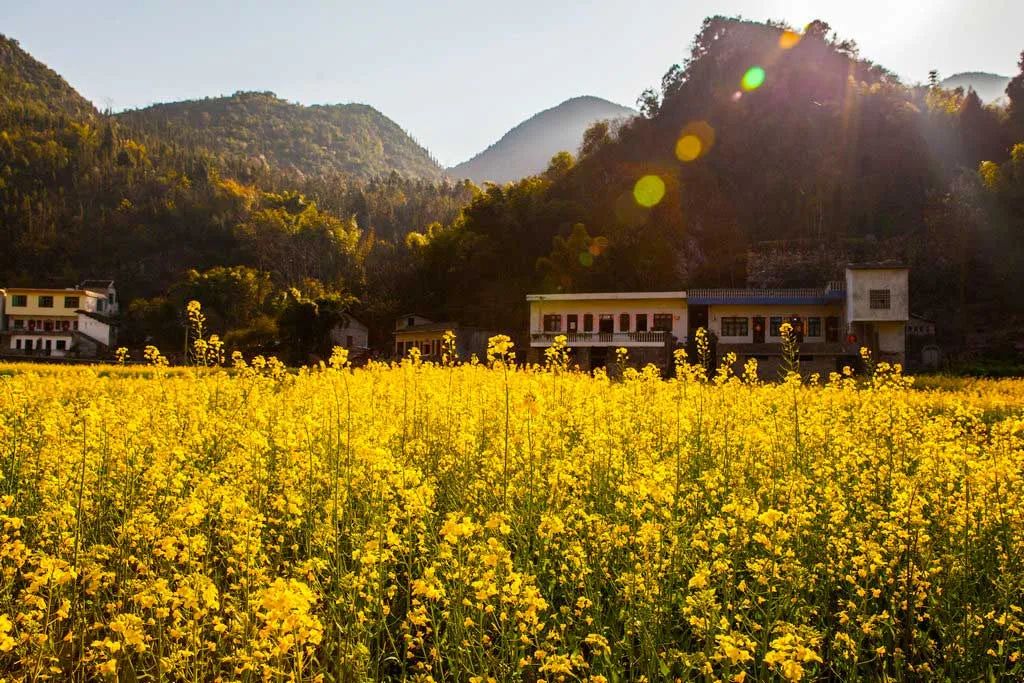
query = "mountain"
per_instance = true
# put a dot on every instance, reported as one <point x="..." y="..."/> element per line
<point x="35" y="89"/>
<point x="351" y="139"/>
<point x="990" y="87"/>
<point x="527" y="148"/>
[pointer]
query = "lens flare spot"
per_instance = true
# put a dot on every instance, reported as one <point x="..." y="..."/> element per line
<point x="753" y="79"/>
<point x="586" y="259"/>
<point x="695" y="140"/>
<point x="789" y="39"/>
<point x="598" y="245"/>
<point x="736" y="96"/>
<point x="649" y="190"/>
<point x="688" y="148"/>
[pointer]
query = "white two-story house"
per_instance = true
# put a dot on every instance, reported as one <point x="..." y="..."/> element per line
<point x="869" y="307"/>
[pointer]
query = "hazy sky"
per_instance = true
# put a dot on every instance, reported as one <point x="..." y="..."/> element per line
<point x="457" y="75"/>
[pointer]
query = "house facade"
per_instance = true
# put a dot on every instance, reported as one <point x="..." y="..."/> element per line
<point x="869" y="307"/>
<point x="55" y="322"/>
<point x="648" y="324"/>
<point x="351" y="334"/>
<point x="415" y="331"/>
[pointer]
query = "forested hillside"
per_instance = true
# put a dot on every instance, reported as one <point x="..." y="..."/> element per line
<point x="762" y="139"/>
<point x="353" y="139"/>
<point x="526" y="149"/>
<point x="29" y="88"/>
<point x="87" y="195"/>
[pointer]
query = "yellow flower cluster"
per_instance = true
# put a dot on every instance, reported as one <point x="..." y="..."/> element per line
<point x="497" y="522"/>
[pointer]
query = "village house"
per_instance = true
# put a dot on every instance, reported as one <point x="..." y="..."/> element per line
<point x="415" y="331"/>
<point x="78" y="321"/>
<point x="869" y="308"/>
<point x="352" y="335"/>
<point x="648" y="324"/>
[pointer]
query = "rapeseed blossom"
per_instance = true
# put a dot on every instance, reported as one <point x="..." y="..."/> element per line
<point x="498" y="521"/>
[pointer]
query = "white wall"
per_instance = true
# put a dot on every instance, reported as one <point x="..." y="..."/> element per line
<point x="360" y="335"/>
<point x="675" y="307"/>
<point x="860" y="282"/>
<point x="891" y="337"/>
<point x="39" y="342"/>
<point x="94" y="329"/>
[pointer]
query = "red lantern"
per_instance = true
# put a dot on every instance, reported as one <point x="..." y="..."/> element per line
<point x="851" y="339"/>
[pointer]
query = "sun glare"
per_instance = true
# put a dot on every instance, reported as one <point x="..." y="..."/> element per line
<point x="688" y="148"/>
<point x="649" y="190"/>
<point x="789" y="39"/>
<point x="753" y="78"/>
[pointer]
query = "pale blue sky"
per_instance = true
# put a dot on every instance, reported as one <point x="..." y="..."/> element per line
<point x="457" y="75"/>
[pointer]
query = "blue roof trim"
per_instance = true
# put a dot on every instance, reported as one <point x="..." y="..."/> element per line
<point x="765" y="300"/>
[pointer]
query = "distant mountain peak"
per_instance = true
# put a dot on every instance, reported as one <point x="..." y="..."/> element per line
<point x="527" y="148"/>
<point x="990" y="87"/>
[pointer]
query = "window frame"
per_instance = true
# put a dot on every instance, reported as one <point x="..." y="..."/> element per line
<point x="588" y="322"/>
<point x="774" y="325"/>
<point x="735" y="326"/>
<point x="624" y="318"/>
<point x="72" y="302"/>
<point x="19" y="300"/>
<point x="657" y="324"/>
<point x="814" y="328"/>
<point x="45" y="301"/>
<point x="880" y="299"/>
<point x="572" y="322"/>
<point x="640" y="323"/>
<point x="552" y="322"/>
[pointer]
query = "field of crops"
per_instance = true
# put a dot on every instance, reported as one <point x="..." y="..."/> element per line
<point x="477" y="523"/>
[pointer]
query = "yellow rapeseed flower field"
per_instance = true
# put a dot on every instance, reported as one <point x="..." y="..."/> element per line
<point x="495" y="522"/>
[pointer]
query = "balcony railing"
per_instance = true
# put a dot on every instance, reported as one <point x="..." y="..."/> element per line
<point x="650" y="337"/>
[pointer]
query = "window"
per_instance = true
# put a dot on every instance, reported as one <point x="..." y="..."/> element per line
<point x="879" y="298"/>
<point x="100" y="305"/>
<point x="641" y="322"/>
<point x="71" y="302"/>
<point x="606" y="323"/>
<point x="814" y="327"/>
<point x="46" y="302"/>
<point x="624" y="322"/>
<point x="553" y="322"/>
<point x="663" y="322"/>
<point x="19" y="324"/>
<point x="774" y="323"/>
<point x="48" y="326"/>
<point x="735" y="327"/>
<point x="19" y="300"/>
<point x="588" y="322"/>
<point x="572" y="322"/>
<point x="74" y="324"/>
<point x="17" y="344"/>
<point x="65" y="325"/>
<point x="61" y="345"/>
